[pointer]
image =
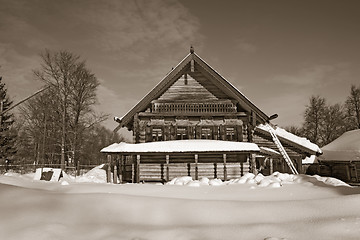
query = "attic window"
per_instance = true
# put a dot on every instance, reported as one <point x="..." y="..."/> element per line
<point x="192" y="66"/>
<point x="185" y="79"/>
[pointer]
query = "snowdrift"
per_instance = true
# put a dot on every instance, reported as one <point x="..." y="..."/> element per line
<point x="280" y="206"/>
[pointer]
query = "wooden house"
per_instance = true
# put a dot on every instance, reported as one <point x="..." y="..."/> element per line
<point x="341" y="158"/>
<point x="195" y="102"/>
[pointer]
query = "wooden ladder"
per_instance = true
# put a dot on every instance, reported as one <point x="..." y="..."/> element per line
<point x="281" y="149"/>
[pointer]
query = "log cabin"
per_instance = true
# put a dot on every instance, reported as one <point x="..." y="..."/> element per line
<point x="341" y="158"/>
<point x="191" y="105"/>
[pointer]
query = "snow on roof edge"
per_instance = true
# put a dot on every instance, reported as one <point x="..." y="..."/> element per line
<point x="280" y="132"/>
<point x="195" y="145"/>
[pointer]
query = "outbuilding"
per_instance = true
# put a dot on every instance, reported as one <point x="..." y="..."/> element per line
<point x="341" y="158"/>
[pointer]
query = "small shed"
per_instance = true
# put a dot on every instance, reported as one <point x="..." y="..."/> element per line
<point x="48" y="174"/>
<point x="341" y="158"/>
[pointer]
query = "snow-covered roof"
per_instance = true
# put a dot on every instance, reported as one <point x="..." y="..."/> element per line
<point x="283" y="134"/>
<point x="182" y="146"/>
<point x="344" y="148"/>
<point x="310" y="160"/>
<point x="269" y="151"/>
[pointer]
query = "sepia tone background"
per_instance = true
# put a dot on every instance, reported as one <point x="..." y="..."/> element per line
<point x="277" y="53"/>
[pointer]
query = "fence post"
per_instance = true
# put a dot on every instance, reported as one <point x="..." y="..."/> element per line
<point x="225" y="170"/>
<point x="120" y="168"/>
<point x="109" y="168"/>
<point x="137" y="179"/>
<point x="196" y="167"/>
<point x="167" y="168"/>
<point x="271" y="166"/>
<point x="115" y="175"/>
<point x="253" y="164"/>
<point x="215" y="170"/>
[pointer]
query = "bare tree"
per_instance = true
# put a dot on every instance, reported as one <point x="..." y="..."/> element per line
<point x="294" y="130"/>
<point x="74" y="89"/>
<point x="334" y="123"/>
<point x="41" y="126"/>
<point x="314" y="118"/>
<point x="353" y="108"/>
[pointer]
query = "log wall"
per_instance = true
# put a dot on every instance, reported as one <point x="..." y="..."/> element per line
<point x="157" y="172"/>
<point x="345" y="171"/>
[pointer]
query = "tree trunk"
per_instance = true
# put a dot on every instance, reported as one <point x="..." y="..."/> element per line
<point x="63" y="135"/>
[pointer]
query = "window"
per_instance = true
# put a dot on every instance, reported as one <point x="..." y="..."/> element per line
<point x="230" y="134"/>
<point x="206" y="133"/>
<point x="157" y="134"/>
<point x="181" y="133"/>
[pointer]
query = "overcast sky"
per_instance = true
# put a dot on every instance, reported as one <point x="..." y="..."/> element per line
<point x="277" y="53"/>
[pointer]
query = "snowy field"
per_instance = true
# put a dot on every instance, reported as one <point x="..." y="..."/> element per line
<point x="280" y="206"/>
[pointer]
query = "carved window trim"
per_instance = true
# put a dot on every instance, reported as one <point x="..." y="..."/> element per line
<point x="157" y="134"/>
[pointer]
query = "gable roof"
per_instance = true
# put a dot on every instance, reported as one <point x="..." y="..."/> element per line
<point x="344" y="148"/>
<point x="289" y="139"/>
<point x="212" y="78"/>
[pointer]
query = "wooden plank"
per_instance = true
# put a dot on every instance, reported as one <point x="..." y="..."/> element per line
<point x="153" y="171"/>
<point x="356" y="172"/>
<point x="215" y="170"/>
<point x="241" y="169"/>
<point x="193" y="114"/>
<point x="109" y="168"/>
<point x="115" y="175"/>
<point x="138" y="168"/>
<point x="225" y="172"/>
<point x="167" y="168"/>
<point x="121" y="168"/>
<point x="162" y="171"/>
<point x="253" y="164"/>
<point x="196" y="167"/>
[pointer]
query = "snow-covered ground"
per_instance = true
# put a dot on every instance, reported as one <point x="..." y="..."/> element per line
<point x="280" y="206"/>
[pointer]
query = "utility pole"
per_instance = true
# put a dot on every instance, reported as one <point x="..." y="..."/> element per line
<point x="2" y="112"/>
<point x="25" y="99"/>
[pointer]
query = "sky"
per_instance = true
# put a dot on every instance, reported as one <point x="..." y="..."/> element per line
<point x="277" y="53"/>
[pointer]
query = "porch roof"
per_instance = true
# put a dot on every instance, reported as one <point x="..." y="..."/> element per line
<point x="183" y="146"/>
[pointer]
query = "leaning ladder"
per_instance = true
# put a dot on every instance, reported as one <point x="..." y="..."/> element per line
<point x="281" y="149"/>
